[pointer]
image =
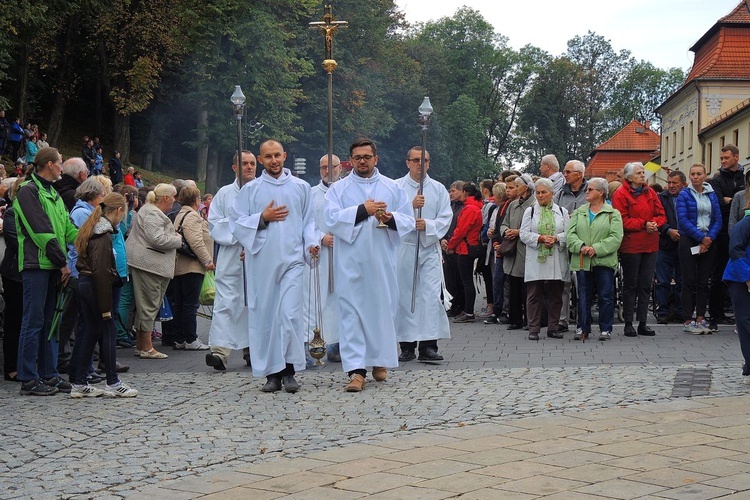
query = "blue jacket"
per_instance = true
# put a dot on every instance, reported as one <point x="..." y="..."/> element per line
<point x="665" y="242"/>
<point x="16" y="132"/>
<point x="687" y="215"/>
<point x="738" y="267"/>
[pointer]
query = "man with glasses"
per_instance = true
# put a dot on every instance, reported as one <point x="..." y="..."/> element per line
<point x="570" y="197"/>
<point x="428" y="322"/>
<point x="368" y="214"/>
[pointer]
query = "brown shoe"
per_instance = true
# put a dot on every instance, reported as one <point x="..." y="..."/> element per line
<point x="379" y="373"/>
<point x="356" y="383"/>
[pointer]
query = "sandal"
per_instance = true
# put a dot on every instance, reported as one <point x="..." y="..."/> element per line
<point x="137" y="353"/>
<point x="153" y="354"/>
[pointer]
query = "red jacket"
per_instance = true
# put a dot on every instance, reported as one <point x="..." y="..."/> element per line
<point x="468" y="227"/>
<point x="129" y="180"/>
<point x="636" y="212"/>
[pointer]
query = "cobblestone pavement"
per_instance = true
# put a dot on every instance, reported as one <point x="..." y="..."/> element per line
<point x="190" y="422"/>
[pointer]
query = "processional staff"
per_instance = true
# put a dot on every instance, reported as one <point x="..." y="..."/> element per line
<point x="425" y="110"/>
<point x="238" y="102"/>
<point x="328" y="26"/>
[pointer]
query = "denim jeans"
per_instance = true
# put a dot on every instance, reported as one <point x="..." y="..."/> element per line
<point x="604" y="279"/>
<point x="37" y="356"/>
<point x="125" y="307"/>
<point x="668" y="267"/>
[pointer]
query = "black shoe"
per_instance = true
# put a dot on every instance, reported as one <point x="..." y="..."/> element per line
<point x="533" y="336"/>
<point x="273" y="384"/>
<point x="60" y="383"/>
<point x="452" y="313"/>
<point x="562" y="328"/>
<point x="645" y="330"/>
<point x="37" y="388"/>
<point x="503" y="319"/>
<point x="554" y="335"/>
<point x="246" y="357"/>
<point x="215" y="361"/>
<point x="492" y="320"/>
<point x="713" y="326"/>
<point x="63" y="365"/>
<point x="429" y="354"/>
<point x="662" y="320"/>
<point x="290" y="384"/>
<point x="119" y="367"/>
<point x="167" y="343"/>
<point x="95" y="379"/>
<point x="725" y="320"/>
<point x="406" y="356"/>
<point x="630" y="331"/>
<point x="514" y="326"/>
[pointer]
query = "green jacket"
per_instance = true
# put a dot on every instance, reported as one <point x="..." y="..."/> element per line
<point x="604" y="233"/>
<point x="43" y="225"/>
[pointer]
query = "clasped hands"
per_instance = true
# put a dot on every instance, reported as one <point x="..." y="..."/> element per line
<point x="548" y="240"/>
<point x="588" y="251"/>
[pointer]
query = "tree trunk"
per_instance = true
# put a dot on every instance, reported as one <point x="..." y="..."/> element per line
<point x="22" y="82"/>
<point x="200" y="172"/>
<point x="212" y="171"/>
<point x="122" y="136"/>
<point x="54" y="131"/>
<point x="148" y="155"/>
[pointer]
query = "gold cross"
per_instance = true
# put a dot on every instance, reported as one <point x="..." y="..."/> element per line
<point x="328" y="26"/>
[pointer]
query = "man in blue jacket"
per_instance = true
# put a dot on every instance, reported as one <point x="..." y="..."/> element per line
<point x="668" y="259"/>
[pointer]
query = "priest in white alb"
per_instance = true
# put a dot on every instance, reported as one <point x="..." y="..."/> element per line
<point x="229" y="316"/>
<point x="273" y="219"/>
<point x="428" y="322"/>
<point x="368" y="214"/>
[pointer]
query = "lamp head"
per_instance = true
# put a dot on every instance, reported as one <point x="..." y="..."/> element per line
<point x="425" y="109"/>
<point x="238" y="98"/>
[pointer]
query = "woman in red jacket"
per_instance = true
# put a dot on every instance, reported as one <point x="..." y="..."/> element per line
<point x="465" y="243"/>
<point x="642" y="214"/>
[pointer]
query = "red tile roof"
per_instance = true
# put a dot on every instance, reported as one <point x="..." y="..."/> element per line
<point x="723" y="51"/>
<point x="606" y="162"/>
<point x="634" y="136"/>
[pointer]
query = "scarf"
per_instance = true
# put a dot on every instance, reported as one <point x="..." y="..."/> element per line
<point x="545" y="227"/>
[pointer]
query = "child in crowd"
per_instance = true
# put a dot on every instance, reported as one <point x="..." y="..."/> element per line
<point x="97" y="276"/>
<point x="138" y="180"/>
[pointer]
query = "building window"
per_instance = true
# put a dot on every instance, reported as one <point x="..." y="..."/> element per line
<point x="666" y="146"/>
<point x="721" y="141"/>
<point x="682" y="140"/>
<point x="736" y="136"/>
<point x="674" y="144"/>
<point x="690" y="136"/>
<point x="709" y="156"/>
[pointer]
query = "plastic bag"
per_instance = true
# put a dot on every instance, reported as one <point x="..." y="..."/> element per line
<point x="208" y="289"/>
<point x="165" y="313"/>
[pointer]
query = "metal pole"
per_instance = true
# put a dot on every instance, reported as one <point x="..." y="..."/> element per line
<point x="331" y="287"/>
<point x="239" y="111"/>
<point x="419" y="216"/>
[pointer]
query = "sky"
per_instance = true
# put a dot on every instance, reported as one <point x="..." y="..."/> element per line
<point x="659" y="31"/>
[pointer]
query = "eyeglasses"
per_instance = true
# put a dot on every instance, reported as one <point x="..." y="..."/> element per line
<point x="590" y="189"/>
<point x="417" y="160"/>
<point x="363" y="157"/>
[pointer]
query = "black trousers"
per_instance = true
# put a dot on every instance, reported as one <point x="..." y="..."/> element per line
<point x="187" y="288"/>
<point x="169" y="328"/>
<point x="466" y="268"/>
<point x="13" y="294"/>
<point x="96" y="330"/>
<point x="453" y="281"/>
<point x="638" y="275"/>
<point x="718" y="288"/>
<point x="696" y="270"/>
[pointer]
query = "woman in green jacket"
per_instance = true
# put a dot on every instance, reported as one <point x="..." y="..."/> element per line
<point x="594" y="236"/>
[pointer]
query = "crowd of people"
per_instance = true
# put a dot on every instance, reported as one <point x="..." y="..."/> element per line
<point x="379" y="265"/>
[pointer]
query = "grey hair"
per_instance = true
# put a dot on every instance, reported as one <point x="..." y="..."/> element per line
<point x="74" y="167"/>
<point x="629" y="168"/>
<point x="551" y="160"/>
<point x="458" y="185"/>
<point x="179" y="184"/>
<point x="600" y="185"/>
<point x="324" y="159"/>
<point x="525" y="180"/>
<point x="544" y="182"/>
<point x="577" y="165"/>
<point x="89" y="189"/>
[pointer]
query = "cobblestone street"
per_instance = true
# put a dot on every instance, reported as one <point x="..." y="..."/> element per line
<point x="190" y="423"/>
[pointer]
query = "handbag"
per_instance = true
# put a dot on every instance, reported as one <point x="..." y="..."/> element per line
<point x="508" y="247"/>
<point x="185" y="248"/>
<point x="165" y="311"/>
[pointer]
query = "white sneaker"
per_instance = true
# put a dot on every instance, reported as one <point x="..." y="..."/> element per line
<point x="578" y="335"/>
<point x="85" y="391"/>
<point x="119" y="390"/>
<point x="605" y="335"/>
<point x="196" y="345"/>
<point x="693" y="328"/>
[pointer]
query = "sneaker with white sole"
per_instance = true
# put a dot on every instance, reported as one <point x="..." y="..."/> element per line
<point x="195" y="345"/>
<point x="85" y="391"/>
<point x="120" y="390"/>
<point x="706" y="327"/>
<point x="693" y="328"/>
<point x="605" y="336"/>
<point x="578" y="335"/>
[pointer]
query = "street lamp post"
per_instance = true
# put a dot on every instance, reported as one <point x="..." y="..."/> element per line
<point x="425" y="110"/>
